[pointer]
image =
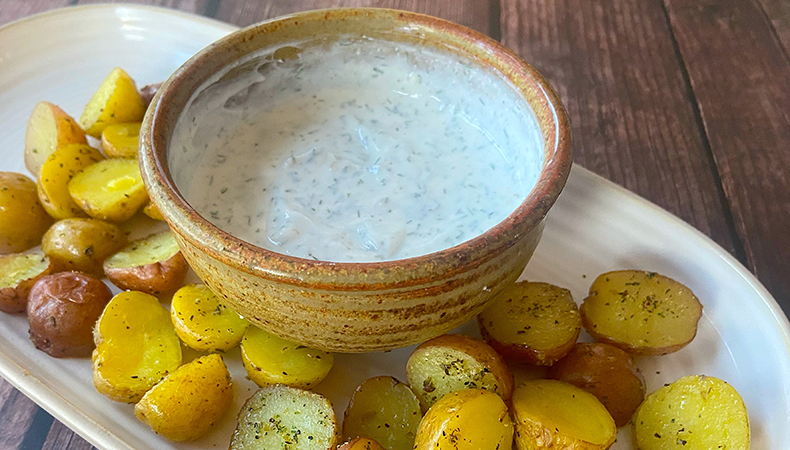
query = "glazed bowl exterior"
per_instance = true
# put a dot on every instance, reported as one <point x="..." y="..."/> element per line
<point x="356" y="307"/>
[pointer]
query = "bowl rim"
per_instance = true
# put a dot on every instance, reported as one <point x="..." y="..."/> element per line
<point x="376" y="275"/>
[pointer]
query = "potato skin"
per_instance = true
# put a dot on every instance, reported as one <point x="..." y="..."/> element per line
<point x="23" y="221"/>
<point x="606" y="372"/>
<point x="155" y="278"/>
<point x="56" y="172"/>
<point x="361" y="444"/>
<point x="62" y="310"/>
<point x="48" y="129"/>
<point x="13" y="299"/>
<point x="82" y="245"/>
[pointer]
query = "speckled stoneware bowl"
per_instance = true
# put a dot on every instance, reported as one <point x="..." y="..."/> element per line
<point x="357" y="307"/>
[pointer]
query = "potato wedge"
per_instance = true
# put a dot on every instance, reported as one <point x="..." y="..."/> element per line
<point x="453" y="362"/>
<point x="121" y="140"/>
<point x="152" y="265"/>
<point x="551" y="414"/>
<point x="81" y="244"/>
<point x="187" y="403"/>
<point x="23" y="221"/>
<point x="361" y="444"/>
<point x="282" y="417"/>
<point x="606" y="372"/>
<point x="152" y="211"/>
<point x="531" y="322"/>
<point x="270" y="359"/>
<point x="18" y="273"/>
<point x="116" y="101"/>
<point x="61" y="311"/>
<point x="54" y="177"/>
<point x="202" y="322"/>
<point x="110" y="190"/>
<point x="472" y="419"/>
<point x="136" y="346"/>
<point x="48" y="129"/>
<point x="643" y="313"/>
<point x="384" y="409"/>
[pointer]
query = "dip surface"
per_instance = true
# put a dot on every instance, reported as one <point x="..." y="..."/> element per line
<point x="356" y="150"/>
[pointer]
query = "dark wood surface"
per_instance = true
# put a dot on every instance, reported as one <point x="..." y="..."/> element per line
<point x="685" y="102"/>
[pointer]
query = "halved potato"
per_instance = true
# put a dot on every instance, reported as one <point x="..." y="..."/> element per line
<point x="57" y="171"/>
<point x="203" y="322"/>
<point x="81" y="244"/>
<point x="361" y="444"/>
<point x="116" y="101"/>
<point x="121" y="140"/>
<point x="472" y="419"/>
<point x="136" y="346"/>
<point x="643" y="313"/>
<point x="282" y="417"/>
<point x="110" y="190"/>
<point x="187" y="403"/>
<point x="453" y="362"/>
<point x="386" y="410"/>
<point x="270" y="359"/>
<point x="48" y="129"/>
<point x="152" y="265"/>
<point x="527" y="372"/>
<point x="531" y="322"/>
<point x="18" y="273"/>
<point x="23" y="220"/>
<point x="152" y="211"/>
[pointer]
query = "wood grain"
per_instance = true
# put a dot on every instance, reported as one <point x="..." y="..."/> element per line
<point x="11" y="10"/>
<point x="778" y="12"/>
<point x="16" y="415"/>
<point x="60" y="437"/>
<point x="190" y="6"/>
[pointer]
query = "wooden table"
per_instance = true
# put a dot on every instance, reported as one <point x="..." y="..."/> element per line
<point x="685" y="102"/>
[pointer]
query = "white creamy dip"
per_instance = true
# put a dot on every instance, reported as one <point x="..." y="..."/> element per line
<point x="356" y="150"/>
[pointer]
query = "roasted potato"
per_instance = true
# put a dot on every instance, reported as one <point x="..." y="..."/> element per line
<point x="643" y="313"/>
<point x="152" y="265"/>
<point x="531" y="322"/>
<point x="280" y="417"/>
<point x="18" y="273"/>
<point x="453" y="362"/>
<point x="361" y="444"/>
<point x="48" y="129"/>
<point x="121" y="140"/>
<point x="116" y="101"/>
<point x="551" y="414"/>
<point x="152" y="211"/>
<point x="694" y="412"/>
<point x="61" y="311"/>
<point x="57" y="171"/>
<point x="472" y="419"/>
<point x="22" y="219"/>
<point x="187" y="403"/>
<point x="110" y="190"/>
<point x="527" y="372"/>
<point x="136" y="346"/>
<point x="270" y="359"/>
<point x="386" y="410"/>
<point x="606" y="372"/>
<point x="81" y="244"/>
<point x="202" y="322"/>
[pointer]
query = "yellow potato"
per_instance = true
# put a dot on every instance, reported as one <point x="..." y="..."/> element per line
<point x="110" y="190"/>
<point x="22" y="219"/>
<point x="48" y="129"/>
<point x="472" y="419"/>
<point x="202" y="322"/>
<point x="152" y="211"/>
<point x="81" y="244"/>
<point x="121" y="140"/>
<point x="361" y="444"/>
<point x="187" y="403"/>
<point x="116" y="101"/>
<point x="18" y="273"/>
<point x="152" y="265"/>
<point x="136" y="346"/>
<point x="57" y="171"/>
<point x="270" y="359"/>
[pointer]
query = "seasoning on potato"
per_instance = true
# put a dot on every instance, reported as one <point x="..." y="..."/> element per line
<point x="531" y="322"/>
<point x="152" y="265"/>
<point x="110" y="190"/>
<point x="22" y="218"/>
<point x="61" y="311"/>
<point x="361" y="444"/>
<point x="48" y="129"/>
<point x="121" y="140"/>
<point x="203" y="322"/>
<point x="643" y="313"/>
<point x="56" y="172"/>
<point x="116" y="101"/>
<point x="18" y="273"/>
<point x="82" y="244"/>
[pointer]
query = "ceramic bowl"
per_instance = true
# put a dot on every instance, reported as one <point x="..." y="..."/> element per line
<point x="356" y="307"/>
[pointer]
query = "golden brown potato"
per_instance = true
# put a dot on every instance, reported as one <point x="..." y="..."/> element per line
<point x="453" y="362"/>
<point x="643" y="313"/>
<point x="203" y="322"/>
<point x="551" y="414"/>
<point x="62" y="309"/>
<point x="48" y="129"/>
<point x="110" y="190"/>
<point x="121" y="140"/>
<point x="187" y="403"/>
<point x="386" y="410"/>
<point x="694" y="412"/>
<point x="81" y="244"/>
<point x="152" y="265"/>
<point x="531" y="322"/>
<point x="471" y="419"/>
<point x="18" y="273"/>
<point x="606" y="372"/>
<point x="22" y="219"/>
<point x="116" y="101"/>
<point x="361" y="444"/>
<point x="152" y="211"/>
<point x="56" y="172"/>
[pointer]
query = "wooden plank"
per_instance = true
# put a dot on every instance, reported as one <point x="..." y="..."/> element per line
<point x="190" y="6"/>
<point x="11" y="10"/>
<point x="740" y="75"/>
<point x="614" y="65"/>
<point x="778" y="12"/>
<point x="16" y="415"/>
<point x="61" y="437"/>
